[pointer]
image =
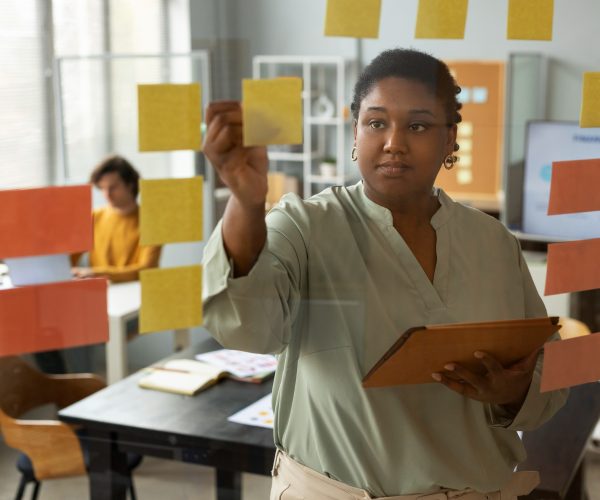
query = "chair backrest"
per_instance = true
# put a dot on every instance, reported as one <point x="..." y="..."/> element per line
<point x="571" y="327"/>
<point x="22" y="387"/>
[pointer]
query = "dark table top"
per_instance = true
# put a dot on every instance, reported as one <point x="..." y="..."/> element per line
<point x="193" y="420"/>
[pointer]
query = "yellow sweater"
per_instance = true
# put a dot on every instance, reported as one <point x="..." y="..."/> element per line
<point x="117" y="253"/>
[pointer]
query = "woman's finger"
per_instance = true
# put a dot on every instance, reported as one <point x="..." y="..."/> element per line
<point x="492" y="365"/>
<point x="463" y="388"/>
<point x="217" y="107"/>
<point x="477" y="381"/>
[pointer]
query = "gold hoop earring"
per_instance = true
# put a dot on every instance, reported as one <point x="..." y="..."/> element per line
<point x="449" y="161"/>
<point x="354" y="154"/>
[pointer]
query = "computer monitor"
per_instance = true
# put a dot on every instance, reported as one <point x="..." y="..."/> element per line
<point x="546" y="142"/>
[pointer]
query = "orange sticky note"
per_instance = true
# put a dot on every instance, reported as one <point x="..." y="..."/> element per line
<point x="573" y="266"/>
<point x="45" y="221"/>
<point x="272" y="111"/>
<point x="574" y="187"/>
<point x="53" y="316"/>
<point x="530" y="19"/>
<point x="571" y="362"/>
<point x="354" y="18"/>
<point x="441" y="19"/>
<point x="169" y="117"/>
<point x="590" y="100"/>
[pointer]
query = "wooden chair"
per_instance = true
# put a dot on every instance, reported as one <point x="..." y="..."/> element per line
<point x="572" y="328"/>
<point x="50" y="449"/>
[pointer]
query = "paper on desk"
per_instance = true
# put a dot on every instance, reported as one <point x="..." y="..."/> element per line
<point x="259" y="414"/>
<point x="574" y="187"/>
<point x="272" y="111"/>
<point x="441" y="19"/>
<point x="530" y="19"/>
<point x="571" y="362"/>
<point x="53" y="316"/>
<point x="573" y="266"/>
<point x="590" y="100"/>
<point x="169" y="117"/>
<point x="170" y="210"/>
<point x="39" y="269"/>
<point x="45" y="221"/>
<point x="354" y="18"/>
<point x="171" y="298"/>
<point x="240" y="363"/>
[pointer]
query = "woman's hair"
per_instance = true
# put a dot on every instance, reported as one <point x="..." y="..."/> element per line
<point x="412" y="65"/>
<point x="121" y="166"/>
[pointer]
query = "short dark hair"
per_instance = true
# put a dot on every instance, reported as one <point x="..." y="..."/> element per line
<point x="121" y="166"/>
<point x="412" y="65"/>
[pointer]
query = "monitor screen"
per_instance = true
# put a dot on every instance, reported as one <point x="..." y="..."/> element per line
<point x="548" y="142"/>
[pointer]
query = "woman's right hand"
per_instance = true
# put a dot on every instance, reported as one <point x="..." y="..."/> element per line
<point x="242" y="169"/>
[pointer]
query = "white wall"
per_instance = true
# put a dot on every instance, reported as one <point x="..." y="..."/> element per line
<point x="296" y="27"/>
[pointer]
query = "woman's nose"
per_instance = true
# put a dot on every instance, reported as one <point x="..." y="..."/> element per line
<point x="395" y="141"/>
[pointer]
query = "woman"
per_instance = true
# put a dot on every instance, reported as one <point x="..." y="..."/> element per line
<point x="330" y="282"/>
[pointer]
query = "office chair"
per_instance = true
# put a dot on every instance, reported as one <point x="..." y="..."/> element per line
<point x="572" y="328"/>
<point x="49" y="448"/>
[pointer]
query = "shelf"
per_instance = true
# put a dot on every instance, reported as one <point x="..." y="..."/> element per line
<point x="289" y="156"/>
<point x="322" y="179"/>
<point x="321" y="120"/>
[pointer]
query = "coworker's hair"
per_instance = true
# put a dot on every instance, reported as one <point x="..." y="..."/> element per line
<point x="121" y="166"/>
<point x="412" y="65"/>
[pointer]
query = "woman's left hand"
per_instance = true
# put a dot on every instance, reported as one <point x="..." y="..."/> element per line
<point x="499" y="385"/>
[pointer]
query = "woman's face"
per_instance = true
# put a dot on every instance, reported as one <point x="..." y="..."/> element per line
<point x="402" y="138"/>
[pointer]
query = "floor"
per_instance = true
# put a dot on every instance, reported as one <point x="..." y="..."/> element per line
<point x="157" y="479"/>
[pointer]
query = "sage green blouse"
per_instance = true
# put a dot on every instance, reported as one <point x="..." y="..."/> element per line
<point x="331" y="291"/>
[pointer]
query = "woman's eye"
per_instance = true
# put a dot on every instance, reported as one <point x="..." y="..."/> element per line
<point x="375" y="124"/>
<point x="417" y="127"/>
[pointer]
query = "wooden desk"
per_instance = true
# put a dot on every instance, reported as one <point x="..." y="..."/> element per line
<point x="123" y="417"/>
<point x="124" y="300"/>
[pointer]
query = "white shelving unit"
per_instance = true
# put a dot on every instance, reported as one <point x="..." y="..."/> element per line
<point x="324" y="134"/>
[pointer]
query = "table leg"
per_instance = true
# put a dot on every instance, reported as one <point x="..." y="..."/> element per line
<point x="107" y="468"/>
<point x="229" y="485"/>
<point x="116" y="363"/>
<point x="181" y="339"/>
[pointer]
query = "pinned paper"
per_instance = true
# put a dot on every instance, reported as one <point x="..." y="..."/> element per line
<point x="45" y="221"/>
<point x="574" y="187"/>
<point x="441" y="19"/>
<point x="590" y="101"/>
<point x="571" y="362"/>
<point x="573" y="266"/>
<point x="530" y="19"/>
<point x="272" y="111"/>
<point x="171" y="298"/>
<point x="53" y="316"/>
<point x="169" y="117"/>
<point x="354" y="18"/>
<point x="170" y="210"/>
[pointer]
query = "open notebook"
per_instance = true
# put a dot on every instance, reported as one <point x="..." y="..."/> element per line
<point x="188" y="376"/>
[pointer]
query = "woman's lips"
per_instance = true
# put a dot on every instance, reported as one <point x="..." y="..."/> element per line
<point x="393" y="168"/>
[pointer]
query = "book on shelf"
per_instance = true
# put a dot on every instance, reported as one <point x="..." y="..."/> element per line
<point x="423" y="350"/>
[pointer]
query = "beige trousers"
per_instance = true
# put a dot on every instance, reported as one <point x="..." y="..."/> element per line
<point x="293" y="481"/>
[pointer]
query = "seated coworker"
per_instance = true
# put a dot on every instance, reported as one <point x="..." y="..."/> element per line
<point x="117" y="253"/>
<point x="329" y="282"/>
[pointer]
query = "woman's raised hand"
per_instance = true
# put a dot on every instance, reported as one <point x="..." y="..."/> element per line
<point x="242" y="169"/>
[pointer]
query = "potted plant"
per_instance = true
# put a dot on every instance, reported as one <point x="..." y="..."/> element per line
<point x="328" y="166"/>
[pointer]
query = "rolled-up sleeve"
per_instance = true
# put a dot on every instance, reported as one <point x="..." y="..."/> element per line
<point x="255" y="312"/>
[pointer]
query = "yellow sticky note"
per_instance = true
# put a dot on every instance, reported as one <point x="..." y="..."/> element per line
<point x="171" y="298"/>
<point x="441" y="19"/>
<point x="590" y="101"/>
<point x="272" y="111"/>
<point x="530" y="19"/>
<point x="169" y="117"/>
<point x="170" y="210"/>
<point x="355" y="18"/>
